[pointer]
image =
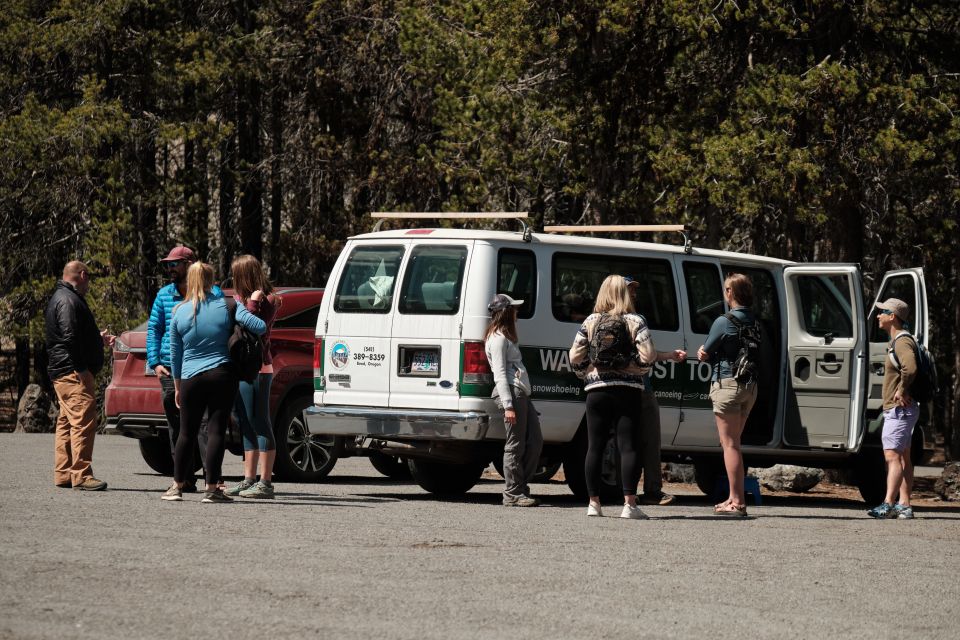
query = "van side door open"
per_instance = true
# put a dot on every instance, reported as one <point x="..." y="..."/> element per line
<point x="826" y="342"/>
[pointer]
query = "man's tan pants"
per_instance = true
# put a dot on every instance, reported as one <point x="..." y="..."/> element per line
<point x="76" y="427"/>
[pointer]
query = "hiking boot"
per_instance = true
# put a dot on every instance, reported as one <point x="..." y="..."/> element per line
<point x="633" y="512"/>
<point x="903" y="512"/>
<point x="173" y="494"/>
<point x="258" y="490"/>
<point x="882" y="511"/>
<point x="522" y="501"/>
<point x="243" y="485"/>
<point x="91" y="484"/>
<point x="656" y="497"/>
<point x="217" y="496"/>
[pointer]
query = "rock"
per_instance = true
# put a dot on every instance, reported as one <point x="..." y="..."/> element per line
<point x="788" y="477"/>
<point x="37" y="411"/>
<point x="840" y="476"/>
<point x="674" y="472"/>
<point x="947" y="485"/>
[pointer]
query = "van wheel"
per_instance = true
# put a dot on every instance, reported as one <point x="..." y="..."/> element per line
<point x="156" y="453"/>
<point x="301" y="456"/>
<point x="870" y="473"/>
<point x="543" y="474"/>
<point x="705" y="473"/>
<point x="573" y="468"/>
<point x="445" y="479"/>
<point x="393" y="467"/>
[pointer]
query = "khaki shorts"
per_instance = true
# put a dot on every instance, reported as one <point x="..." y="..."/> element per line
<point x="728" y="397"/>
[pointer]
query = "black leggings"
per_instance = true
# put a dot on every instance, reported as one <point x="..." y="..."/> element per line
<point x="613" y="408"/>
<point x="213" y="390"/>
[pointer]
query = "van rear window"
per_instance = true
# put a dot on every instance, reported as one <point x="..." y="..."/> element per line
<point x="577" y="279"/>
<point x="368" y="280"/>
<point x="432" y="280"/>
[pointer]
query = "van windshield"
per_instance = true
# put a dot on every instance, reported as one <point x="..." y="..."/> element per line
<point x="368" y="280"/>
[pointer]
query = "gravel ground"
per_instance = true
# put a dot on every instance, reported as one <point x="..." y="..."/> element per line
<point x="361" y="556"/>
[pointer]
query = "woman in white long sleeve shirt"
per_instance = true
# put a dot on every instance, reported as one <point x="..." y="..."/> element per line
<point x="524" y="441"/>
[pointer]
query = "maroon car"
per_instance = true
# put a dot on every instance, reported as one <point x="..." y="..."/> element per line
<point x="134" y="406"/>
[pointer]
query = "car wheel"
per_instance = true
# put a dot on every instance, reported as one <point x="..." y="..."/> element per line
<point x="301" y="456"/>
<point x="705" y="474"/>
<point x="445" y="479"/>
<point x="573" y="468"/>
<point x="543" y="474"/>
<point x="393" y="467"/>
<point x="156" y="453"/>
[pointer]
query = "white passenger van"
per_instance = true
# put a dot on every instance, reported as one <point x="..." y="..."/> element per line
<point x="399" y="363"/>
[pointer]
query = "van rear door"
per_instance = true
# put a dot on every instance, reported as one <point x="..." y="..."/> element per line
<point x="907" y="285"/>
<point x="826" y="356"/>
<point x="356" y="334"/>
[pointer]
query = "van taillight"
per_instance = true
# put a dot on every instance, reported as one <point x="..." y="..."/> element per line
<point x="318" y="364"/>
<point x="476" y="369"/>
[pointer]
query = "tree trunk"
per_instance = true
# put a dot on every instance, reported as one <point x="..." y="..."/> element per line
<point x="22" y="370"/>
<point x="225" y="217"/>
<point x="276" y="183"/>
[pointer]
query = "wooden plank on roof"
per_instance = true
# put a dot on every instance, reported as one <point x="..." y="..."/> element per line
<point x="613" y="228"/>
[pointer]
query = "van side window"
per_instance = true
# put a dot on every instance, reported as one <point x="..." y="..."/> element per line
<point x="704" y="294"/>
<point x="577" y="278"/>
<point x="517" y="277"/>
<point x="825" y="305"/>
<point x="368" y="279"/>
<point x="901" y="287"/>
<point x="432" y="281"/>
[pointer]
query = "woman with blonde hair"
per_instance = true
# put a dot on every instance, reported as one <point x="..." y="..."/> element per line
<point x="253" y="291"/>
<point x="524" y="440"/>
<point x="612" y="353"/>
<point x="204" y="380"/>
<point x="732" y="400"/>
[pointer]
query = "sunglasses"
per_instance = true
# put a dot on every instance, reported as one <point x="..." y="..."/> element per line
<point x="172" y="264"/>
<point x="886" y="312"/>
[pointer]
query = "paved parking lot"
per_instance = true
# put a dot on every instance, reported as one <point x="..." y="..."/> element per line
<point x="361" y="556"/>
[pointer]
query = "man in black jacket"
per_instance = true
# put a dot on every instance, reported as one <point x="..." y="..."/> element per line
<point x="75" y="349"/>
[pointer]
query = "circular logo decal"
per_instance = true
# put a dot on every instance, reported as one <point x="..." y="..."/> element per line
<point x="339" y="355"/>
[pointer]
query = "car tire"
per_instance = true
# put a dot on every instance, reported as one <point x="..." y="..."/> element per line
<point x="156" y="453"/>
<point x="544" y="472"/>
<point x="301" y="456"/>
<point x="445" y="479"/>
<point x="705" y="474"/>
<point x="394" y="467"/>
<point x="575" y="473"/>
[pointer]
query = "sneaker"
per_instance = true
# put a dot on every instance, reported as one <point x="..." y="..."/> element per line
<point x="594" y="510"/>
<point x="633" y="512"/>
<point x="884" y="510"/>
<point x="657" y="498"/>
<point x="216" y="497"/>
<point x="91" y="484"/>
<point x="243" y="485"/>
<point x="903" y="513"/>
<point x="522" y="501"/>
<point x="173" y="494"/>
<point x="257" y="490"/>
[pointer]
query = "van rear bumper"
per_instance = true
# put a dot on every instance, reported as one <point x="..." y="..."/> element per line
<point x="406" y="424"/>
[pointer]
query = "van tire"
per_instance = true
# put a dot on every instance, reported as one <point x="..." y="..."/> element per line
<point x="445" y="479"/>
<point x="394" y="467"/>
<point x="301" y="456"/>
<point x="870" y="474"/>
<point x="575" y="474"/>
<point x="705" y="474"/>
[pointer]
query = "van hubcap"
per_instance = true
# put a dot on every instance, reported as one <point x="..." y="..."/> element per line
<point x="308" y="451"/>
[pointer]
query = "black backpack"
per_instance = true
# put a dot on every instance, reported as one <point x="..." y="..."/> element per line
<point x="746" y="366"/>
<point x="246" y="349"/>
<point x="925" y="385"/>
<point x="611" y="346"/>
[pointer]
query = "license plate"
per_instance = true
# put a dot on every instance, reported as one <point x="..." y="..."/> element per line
<point x="425" y="362"/>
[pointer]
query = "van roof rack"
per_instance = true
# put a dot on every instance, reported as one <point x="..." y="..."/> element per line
<point x="624" y="228"/>
<point x="520" y="216"/>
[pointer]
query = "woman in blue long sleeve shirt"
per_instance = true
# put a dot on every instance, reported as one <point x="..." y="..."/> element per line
<point x="204" y="380"/>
